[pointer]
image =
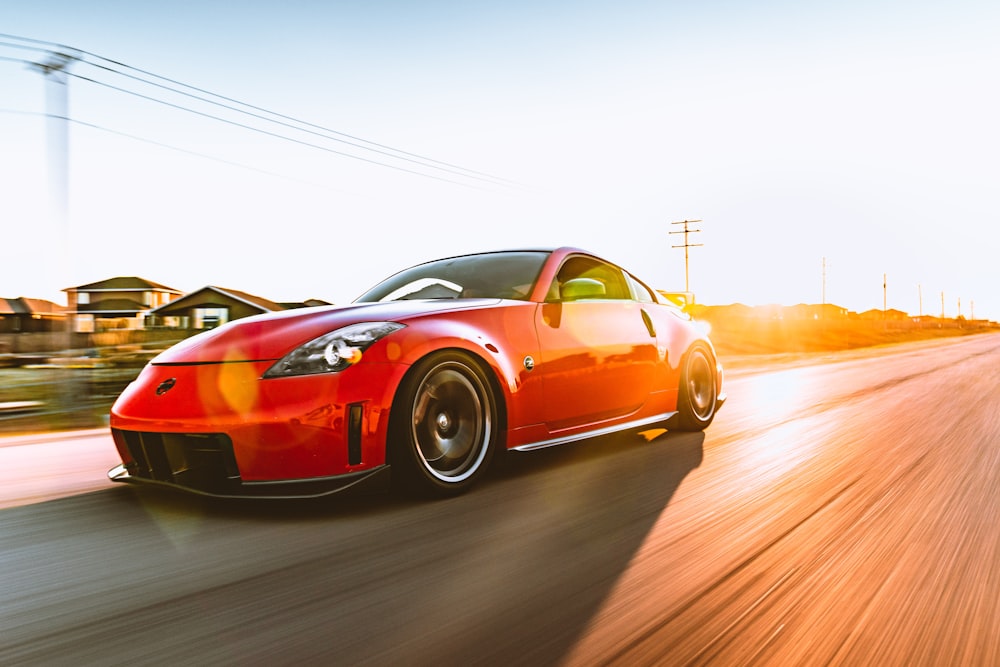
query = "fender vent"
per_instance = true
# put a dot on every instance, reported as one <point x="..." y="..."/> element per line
<point x="355" y="413"/>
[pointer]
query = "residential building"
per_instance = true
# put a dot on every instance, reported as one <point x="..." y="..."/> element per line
<point x="24" y="315"/>
<point x="115" y="303"/>
<point x="213" y="306"/>
<point x="825" y="311"/>
<point x="891" y="315"/>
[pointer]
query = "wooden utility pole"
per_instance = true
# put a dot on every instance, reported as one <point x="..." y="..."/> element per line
<point x="55" y="70"/>
<point x="885" y="284"/>
<point x="57" y="116"/>
<point x="686" y="245"/>
<point x="824" y="281"/>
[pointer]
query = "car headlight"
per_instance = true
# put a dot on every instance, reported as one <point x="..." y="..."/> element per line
<point x="333" y="351"/>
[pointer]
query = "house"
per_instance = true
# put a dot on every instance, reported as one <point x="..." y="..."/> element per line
<point x="213" y="306"/>
<point x="24" y="315"/>
<point x="888" y="315"/>
<point x="770" y="312"/>
<point x="825" y="311"/>
<point x="115" y="303"/>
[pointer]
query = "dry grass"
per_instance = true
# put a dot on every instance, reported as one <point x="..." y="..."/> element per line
<point x="752" y="336"/>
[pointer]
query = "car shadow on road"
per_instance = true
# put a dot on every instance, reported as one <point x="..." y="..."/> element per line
<point x="513" y="572"/>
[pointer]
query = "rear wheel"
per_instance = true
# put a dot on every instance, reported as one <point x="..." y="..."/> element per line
<point x="697" y="397"/>
<point x="444" y="425"/>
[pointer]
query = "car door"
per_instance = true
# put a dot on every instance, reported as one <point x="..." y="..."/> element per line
<point x="598" y="351"/>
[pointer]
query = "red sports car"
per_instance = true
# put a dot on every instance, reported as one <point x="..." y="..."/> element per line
<point x="429" y="372"/>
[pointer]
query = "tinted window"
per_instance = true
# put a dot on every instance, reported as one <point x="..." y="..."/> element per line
<point x="642" y="293"/>
<point x="498" y="275"/>
<point x="589" y="268"/>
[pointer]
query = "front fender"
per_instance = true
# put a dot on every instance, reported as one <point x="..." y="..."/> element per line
<point x="501" y="337"/>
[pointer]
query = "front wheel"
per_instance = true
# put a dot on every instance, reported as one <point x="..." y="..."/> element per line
<point x="697" y="397"/>
<point x="444" y="423"/>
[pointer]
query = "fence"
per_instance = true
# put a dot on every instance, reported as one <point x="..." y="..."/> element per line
<point x="53" y="381"/>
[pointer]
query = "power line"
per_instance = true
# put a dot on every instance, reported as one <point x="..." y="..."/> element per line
<point x="313" y="125"/>
<point x="15" y="60"/>
<point x="186" y="151"/>
<point x="200" y="113"/>
<point x="160" y="144"/>
<point x="265" y="132"/>
<point x="152" y="142"/>
<point x="324" y="132"/>
<point x="190" y="152"/>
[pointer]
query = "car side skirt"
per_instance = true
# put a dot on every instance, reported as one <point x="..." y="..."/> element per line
<point x="608" y="430"/>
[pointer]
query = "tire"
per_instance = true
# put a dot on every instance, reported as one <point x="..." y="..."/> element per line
<point x="697" y="396"/>
<point x="444" y="426"/>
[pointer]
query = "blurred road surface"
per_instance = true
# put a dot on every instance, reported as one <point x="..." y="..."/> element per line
<point x="842" y="512"/>
<point x="44" y="466"/>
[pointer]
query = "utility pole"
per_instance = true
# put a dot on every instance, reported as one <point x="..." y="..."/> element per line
<point x="57" y="114"/>
<point x="55" y="69"/>
<point x="884" y="286"/>
<point x="920" y="305"/>
<point x="942" y="305"/>
<point x="824" y="281"/>
<point x="686" y="245"/>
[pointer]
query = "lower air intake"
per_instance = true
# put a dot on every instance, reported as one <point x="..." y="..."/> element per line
<point x="202" y="462"/>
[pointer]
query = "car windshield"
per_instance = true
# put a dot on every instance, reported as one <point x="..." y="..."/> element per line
<point x="497" y="275"/>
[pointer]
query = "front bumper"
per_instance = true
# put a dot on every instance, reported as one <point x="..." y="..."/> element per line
<point x="222" y="430"/>
<point x="376" y="479"/>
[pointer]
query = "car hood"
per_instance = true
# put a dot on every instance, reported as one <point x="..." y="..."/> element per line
<point x="271" y="336"/>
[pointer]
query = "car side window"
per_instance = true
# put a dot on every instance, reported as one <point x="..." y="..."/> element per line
<point x="641" y="292"/>
<point x="599" y="280"/>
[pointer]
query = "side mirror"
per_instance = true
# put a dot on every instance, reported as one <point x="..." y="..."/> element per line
<point x="582" y="288"/>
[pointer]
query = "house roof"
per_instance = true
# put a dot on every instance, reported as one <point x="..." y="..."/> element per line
<point x="27" y="306"/>
<point x="42" y="307"/>
<point x="308" y="303"/>
<point x="8" y="306"/>
<point x="123" y="283"/>
<point x="250" y="298"/>
<point x="197" y="298"/>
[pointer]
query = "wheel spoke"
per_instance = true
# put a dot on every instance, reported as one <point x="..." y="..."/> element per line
<point x="451" y="423"/>
<point x="701" y="386"/>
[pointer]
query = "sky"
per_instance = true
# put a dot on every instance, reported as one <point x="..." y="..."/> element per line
<point x="846" y="150"/>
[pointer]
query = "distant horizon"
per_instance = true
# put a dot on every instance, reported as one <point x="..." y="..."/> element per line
<point x="765" y="306"/>
<point x="665" y="293"/>
<point x="315" y="150"/>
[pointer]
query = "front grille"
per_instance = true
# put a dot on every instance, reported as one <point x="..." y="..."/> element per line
<point x="202" y="462"/>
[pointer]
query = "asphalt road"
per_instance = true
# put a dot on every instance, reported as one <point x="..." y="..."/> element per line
<point x="843" y="511"/>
